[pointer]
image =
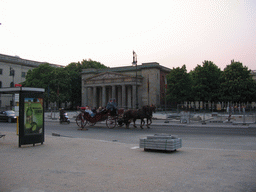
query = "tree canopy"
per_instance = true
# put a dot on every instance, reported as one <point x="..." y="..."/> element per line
<point x="61" y="84"/>
<point x="179" y="85"/>
<point x="208" y="83"/>
<point x="238" y="84"/>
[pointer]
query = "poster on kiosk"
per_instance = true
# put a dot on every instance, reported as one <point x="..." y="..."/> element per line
<point x="31" y="127"/>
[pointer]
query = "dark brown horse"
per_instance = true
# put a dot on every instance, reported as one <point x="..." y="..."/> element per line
<point x="136" y="114"/>
<point x="151" y="109"/>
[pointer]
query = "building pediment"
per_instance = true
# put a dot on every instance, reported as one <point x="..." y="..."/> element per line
<point x="110" y="78"/>
<point x="108" y="75"/>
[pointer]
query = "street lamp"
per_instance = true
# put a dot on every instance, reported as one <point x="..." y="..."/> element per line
<point x="12" y="85"/>
<point x="134" y="63"/>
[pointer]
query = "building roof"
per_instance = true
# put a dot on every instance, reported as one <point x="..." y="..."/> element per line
<point x="24" y="62"/>
<point x="127" y="68"/>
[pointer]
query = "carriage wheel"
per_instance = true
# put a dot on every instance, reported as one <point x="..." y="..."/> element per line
<point x="111" y="122"/>
<point x="80" y="121"/>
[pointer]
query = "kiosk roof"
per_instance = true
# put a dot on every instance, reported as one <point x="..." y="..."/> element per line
<point x="10" y="90"/>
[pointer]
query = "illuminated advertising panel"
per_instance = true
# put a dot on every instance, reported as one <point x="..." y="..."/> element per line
<point x="31" y="118"/>
<point x="33" y="115"/>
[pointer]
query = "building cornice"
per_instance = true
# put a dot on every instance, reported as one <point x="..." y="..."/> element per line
<point x="23" y="62"/>
<point x="127" y="68"/>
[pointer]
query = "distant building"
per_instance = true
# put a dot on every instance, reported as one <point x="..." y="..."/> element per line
<point x="101" y="85"/>
<point x="13" y="70"/>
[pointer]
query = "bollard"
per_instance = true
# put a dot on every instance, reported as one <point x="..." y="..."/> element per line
<point x="244" y="116"/>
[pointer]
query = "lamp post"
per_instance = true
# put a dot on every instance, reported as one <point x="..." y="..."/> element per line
<point x="134" y="63"/>
<point x="12" y="85"/>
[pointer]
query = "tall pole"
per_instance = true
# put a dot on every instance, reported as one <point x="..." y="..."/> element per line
<point x="165" y="90"/>
<point x="134" y="62"/>
<point x="136" y="88"/>
<point x="13" y="95"/>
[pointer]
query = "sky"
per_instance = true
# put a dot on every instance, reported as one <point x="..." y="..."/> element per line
<point x="170" y="32"/>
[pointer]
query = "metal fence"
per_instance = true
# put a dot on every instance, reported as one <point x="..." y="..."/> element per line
<point x="212" y="117"/>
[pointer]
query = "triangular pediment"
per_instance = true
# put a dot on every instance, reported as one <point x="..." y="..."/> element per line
<point x="108" y="75"/>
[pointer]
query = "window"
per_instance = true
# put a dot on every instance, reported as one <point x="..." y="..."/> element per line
<point x="23" y="74"/>
<point x="1" y="71"/>
<point x="11" y="84"/>
<point x="11" y="71"/>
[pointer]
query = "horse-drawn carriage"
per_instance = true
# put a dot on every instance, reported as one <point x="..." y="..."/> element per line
<point x="117" y="117"/>
<point x="111" y="118"/>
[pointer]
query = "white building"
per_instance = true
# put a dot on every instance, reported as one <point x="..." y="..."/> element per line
<point x="13" y="70"/>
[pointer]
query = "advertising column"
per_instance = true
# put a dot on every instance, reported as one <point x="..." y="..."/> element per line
<point x="31" y="125"/>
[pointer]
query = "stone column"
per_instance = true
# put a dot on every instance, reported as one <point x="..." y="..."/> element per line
<point x="103" y="96"/>
<point x="113" y="92"/>
<point x="89" y="96"/>
<point x="134" y="96"/>
<point x="94" y="96"/>
<point x="85" y="96"/>
<point x="119" y="97"/>
<point x="129" y="96"/>
<point x="123" y="96"/>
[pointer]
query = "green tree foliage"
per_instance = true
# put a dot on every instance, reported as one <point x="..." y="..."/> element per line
<point x="206" y="82"/>
<point x="237" y="85"/>
<point x="179" y="85"/>
<point x="61" y="84"/>
<point x="40" y="77"/>
<point x="74" y="70"/>
<point x="74" y="88"/>
<point x="86" y="64"/>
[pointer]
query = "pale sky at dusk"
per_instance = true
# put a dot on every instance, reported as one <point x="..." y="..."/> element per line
<point x="172" y="32"/>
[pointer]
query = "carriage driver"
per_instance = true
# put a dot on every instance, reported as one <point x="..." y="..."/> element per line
<point x="112" y="106"/>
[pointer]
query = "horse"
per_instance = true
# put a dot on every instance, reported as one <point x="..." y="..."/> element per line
<point x="136" y="114"/>
<point x="151" y="109"/>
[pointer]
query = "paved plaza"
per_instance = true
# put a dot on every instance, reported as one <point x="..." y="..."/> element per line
<point x="79" y="164"/>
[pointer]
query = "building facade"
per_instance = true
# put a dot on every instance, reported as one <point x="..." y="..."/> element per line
<point x="13" y="70"/>
<point x="101" y="85"/>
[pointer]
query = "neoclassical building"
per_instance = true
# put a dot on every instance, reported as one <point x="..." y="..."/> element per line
<point x="101" y="85"/>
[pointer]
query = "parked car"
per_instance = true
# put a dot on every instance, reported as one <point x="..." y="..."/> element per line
<point x="8" y="116"/>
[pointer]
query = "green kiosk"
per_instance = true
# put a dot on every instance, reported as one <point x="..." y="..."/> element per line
<point x="31" y="113"/>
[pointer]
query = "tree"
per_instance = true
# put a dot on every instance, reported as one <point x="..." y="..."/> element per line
<point x="238" y="84"/>
<point x="86" y="64"/>
<point x="61" y="84"/>
<point x="40" y="77"/>
<point x="74" y="70"/>
<point x="179" y="85"/>
<point x="206" y="82"/>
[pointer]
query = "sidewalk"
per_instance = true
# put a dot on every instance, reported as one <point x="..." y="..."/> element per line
<point x="76" y="164"/>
